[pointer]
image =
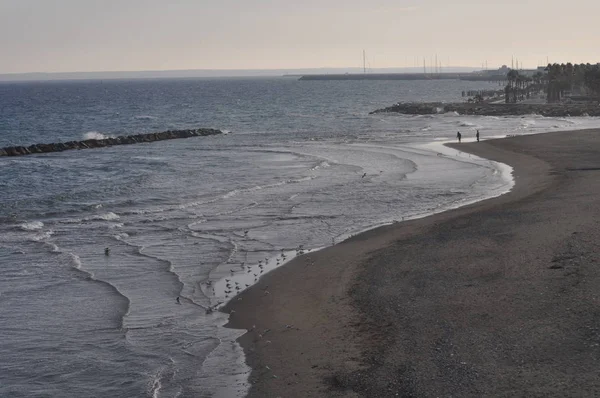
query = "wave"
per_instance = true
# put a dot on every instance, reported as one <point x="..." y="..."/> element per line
<point x="121" y="236"/>
<point x="71" y="221"/>
<point x="231" y="194"/>
<point x="95" y="135"/>
<point x="76" y="261"/>
<point x="145" y="117"/>
<point x="528" y="123"/>
<point x="156" y="385"/>
<point x="32" y="226"/>
<point x="54" y="248"/>
<point x="77" y="264"/>
<point x="568" y="121"/>
<point x="110" y="216"/>
<point x="236" y="192"/>
<point x="236" y="210"/>
<point x="323" y="165"/>
<point x="42" y="236"/>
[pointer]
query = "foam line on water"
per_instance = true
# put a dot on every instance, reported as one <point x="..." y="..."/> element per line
<point x="169" y="267"/>
<point x="31" y="226"/>
<point x="77" y="265"/>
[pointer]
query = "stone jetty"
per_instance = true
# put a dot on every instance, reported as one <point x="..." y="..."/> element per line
<point x="487" y="109"/>
<point x="105" y="142"/>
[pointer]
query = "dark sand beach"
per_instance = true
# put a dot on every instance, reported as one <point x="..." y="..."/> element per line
<point x="500" y="298"/>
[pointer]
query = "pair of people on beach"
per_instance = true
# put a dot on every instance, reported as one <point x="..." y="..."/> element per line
<point x="459" y="136"/>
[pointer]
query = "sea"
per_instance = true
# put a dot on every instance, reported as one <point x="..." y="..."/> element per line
<point x="189" y="223"/>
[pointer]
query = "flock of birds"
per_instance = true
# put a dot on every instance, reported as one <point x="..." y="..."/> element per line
<point x="233" y="287"/>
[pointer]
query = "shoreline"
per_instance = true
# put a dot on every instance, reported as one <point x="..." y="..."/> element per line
<point x="320" y="330"/>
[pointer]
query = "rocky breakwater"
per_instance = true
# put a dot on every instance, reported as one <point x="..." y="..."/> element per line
<point x="485" y="109"/>
<point x="101" y="143"/>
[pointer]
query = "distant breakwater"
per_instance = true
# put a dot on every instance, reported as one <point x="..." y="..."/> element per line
<point x="405" y="76"/>
<point x="105" y="142"/>
<point x="486" y="109"/>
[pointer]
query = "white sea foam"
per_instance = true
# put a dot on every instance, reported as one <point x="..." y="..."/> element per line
<point x="231" y="194"/>
<point x="42" y="236"/>
<point x="75" y="260"/>
<point x="54" y="247"/>
<point x="121" y="236"/>
<point x="106" y="217"/>
<point x="236" y="192"/>
<point x="115" y="225"/>
<point x="323" y="165"/>
<point x="95" y="135"/>
<point x="110" y="216"/>
<point x="32" y="226"/>
<point x="156" y="384"/>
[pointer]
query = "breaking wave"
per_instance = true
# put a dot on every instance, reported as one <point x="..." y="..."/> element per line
<point x="32" y="226"/>
<point x="95" y="135"/>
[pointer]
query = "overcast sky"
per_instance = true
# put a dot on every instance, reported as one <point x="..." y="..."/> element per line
<point x="110" y="35"/>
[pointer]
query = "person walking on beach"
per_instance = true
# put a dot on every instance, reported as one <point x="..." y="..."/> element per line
<point x="458" y="136"/>
<point x="477" y="135"/>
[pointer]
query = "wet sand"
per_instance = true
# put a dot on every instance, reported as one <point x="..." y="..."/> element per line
<point x="499" y="298"/>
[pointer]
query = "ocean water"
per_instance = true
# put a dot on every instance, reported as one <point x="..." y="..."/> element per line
<point x="302" y="164"/>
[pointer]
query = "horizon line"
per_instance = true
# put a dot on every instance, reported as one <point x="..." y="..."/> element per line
<point x="224" y="70"/>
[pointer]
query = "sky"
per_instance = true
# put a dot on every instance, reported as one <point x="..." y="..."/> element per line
<point x="131" y="35"/>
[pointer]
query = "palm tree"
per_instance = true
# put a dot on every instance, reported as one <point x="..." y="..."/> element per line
<point x="510" y="90"/>
<point x="592" y="78"/>
<point x="555" y="79"/>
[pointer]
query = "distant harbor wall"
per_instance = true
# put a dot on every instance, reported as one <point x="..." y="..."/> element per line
<point x="105" y="142"/>
<point x="405" y="76"/>
<point x="486" y="109"/>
